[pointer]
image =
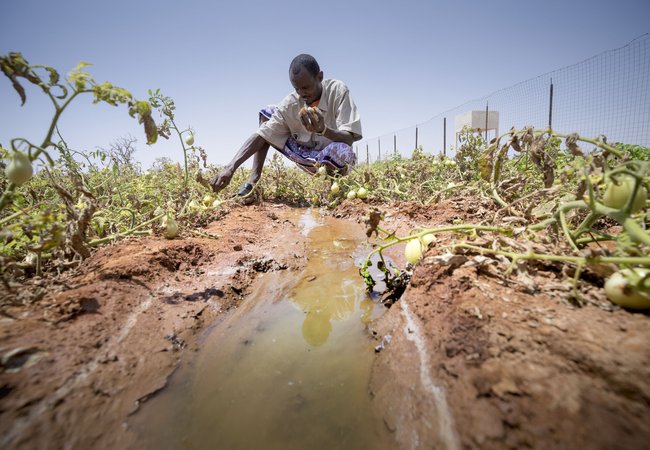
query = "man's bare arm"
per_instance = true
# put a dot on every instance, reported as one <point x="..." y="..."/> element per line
<point x="252" y="146"/>
<point x="339" y="136"/>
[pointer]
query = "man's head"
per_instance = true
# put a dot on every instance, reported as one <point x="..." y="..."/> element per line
<point x="306" y="77"/>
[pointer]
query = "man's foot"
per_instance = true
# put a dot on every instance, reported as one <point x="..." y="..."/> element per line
<point x="245" y="189"/>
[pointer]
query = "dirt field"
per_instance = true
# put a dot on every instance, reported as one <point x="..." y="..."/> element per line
<point x="469" y="357"/>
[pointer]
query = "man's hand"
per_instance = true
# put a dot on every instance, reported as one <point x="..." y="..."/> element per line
<point x="222" y="180"/>
<point x="312" y="119"/>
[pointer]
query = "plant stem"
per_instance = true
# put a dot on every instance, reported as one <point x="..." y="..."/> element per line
<point x="639" y="260"/>
<point x="17" y="214"/>
<point x="113" y="237"/>
<point x="397" y="239"/>
<point x="58" y="111"/>
<point x="132" y="231"/>
<point x="180" y="137"/>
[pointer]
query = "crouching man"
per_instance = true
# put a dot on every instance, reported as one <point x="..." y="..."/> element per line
<point x="313" y="126"/>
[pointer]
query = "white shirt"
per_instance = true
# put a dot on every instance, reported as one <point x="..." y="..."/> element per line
<point x="338" y="109"/>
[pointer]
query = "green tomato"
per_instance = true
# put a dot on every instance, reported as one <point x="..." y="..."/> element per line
<point x="322" y="170"/>
<point x="623" y="289"/>
<point x="171" y="227"/>
<point x="189" y="139"/>
<point x="362" y="193"/>
<point x="352" y="194"/>
<point x="617" y="195"/>
<point x="335" y="188"/>
<point x="19" y="170"/>
<point x="216" y="203"/>
<point x="208" y="200"/>
<point x="413" y="251"/>
<point x="99" y="223"/>
<point x="428" y="239"/>
<point x="194" y="205"/>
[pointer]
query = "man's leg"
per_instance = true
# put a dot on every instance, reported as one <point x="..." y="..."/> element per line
<point x="258" y="158"/>
<point x="256" y="171"/>
<point x="338" y="157"/>
<point x="258" y="164"/>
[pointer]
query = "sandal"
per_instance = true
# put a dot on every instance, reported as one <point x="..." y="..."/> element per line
<point x="245" y="189"/>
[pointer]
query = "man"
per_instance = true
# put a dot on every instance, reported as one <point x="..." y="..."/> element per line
<point x="313" y="126"/>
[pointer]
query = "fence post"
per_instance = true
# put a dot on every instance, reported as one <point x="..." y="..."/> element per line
<point x="550" y="107"/>
<point x="367" y="155"/>
<point x="486" y="119"/>
<point x="416" y="136"/>
<point x="444" y="136"/>
<point x="395" y="143"/>
<point x="379" y="146"/>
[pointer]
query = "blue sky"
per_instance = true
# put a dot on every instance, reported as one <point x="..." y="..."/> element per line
<point x="404" y="62"/>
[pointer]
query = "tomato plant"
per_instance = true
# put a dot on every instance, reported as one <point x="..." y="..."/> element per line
<point x="543" y="185"/>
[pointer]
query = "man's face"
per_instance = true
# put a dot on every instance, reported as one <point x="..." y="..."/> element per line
<point x="306" y="85"/>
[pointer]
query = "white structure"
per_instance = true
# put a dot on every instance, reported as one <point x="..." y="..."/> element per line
<point x="476" y="120"/>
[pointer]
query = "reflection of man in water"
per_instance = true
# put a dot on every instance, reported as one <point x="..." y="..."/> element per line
<point x="321" y="309"/>
<point x="316" y="328"/>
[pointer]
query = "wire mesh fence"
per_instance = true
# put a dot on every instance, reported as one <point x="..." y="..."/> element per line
<point x="605" y="95"/>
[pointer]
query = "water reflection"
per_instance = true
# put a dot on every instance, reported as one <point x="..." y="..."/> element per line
<point x="331" y="289"/>
<point x="322" y="304"/>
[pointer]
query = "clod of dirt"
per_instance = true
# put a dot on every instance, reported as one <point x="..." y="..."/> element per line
<point x="20" y="357"/>
<point x="267" y="265"/>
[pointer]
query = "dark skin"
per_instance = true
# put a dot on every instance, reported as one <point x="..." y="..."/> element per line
<point x="308" y="87"/>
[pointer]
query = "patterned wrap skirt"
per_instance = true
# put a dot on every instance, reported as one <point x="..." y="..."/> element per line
<point x="337" y="156"/>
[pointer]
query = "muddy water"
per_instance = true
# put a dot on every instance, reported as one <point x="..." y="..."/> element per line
<point x="289" y="369"/>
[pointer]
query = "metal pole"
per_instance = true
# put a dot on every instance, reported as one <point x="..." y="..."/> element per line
<point x="550" y="107"/>
<point x="379" y="146"/>
<point x="486" y="119"/>
<point x="367" y="155"/>
<point x="395" y="143"/>
<point x="444" y="136"/>
<point x="416" y="136"/>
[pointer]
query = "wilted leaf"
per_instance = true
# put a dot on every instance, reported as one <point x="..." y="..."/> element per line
<point x="447" y="260"/>
<point x="372" y="222"/>
<point x="143" y="110"/>
<point x="150" y="129"/>
<point x="571" y="142"/>
<point x="54" y="75"/>
<point x="544" y="210"/>
<point x="14" y="66"/>
<point x="541" y="158"/>
<point x="18" y="88"/>
<point x="485" y="165"/>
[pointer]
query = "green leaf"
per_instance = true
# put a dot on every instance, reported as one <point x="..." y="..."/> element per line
<point x="80" y="79"/>
<point x="110" y="94"/>
<point x="54" y="75"/>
